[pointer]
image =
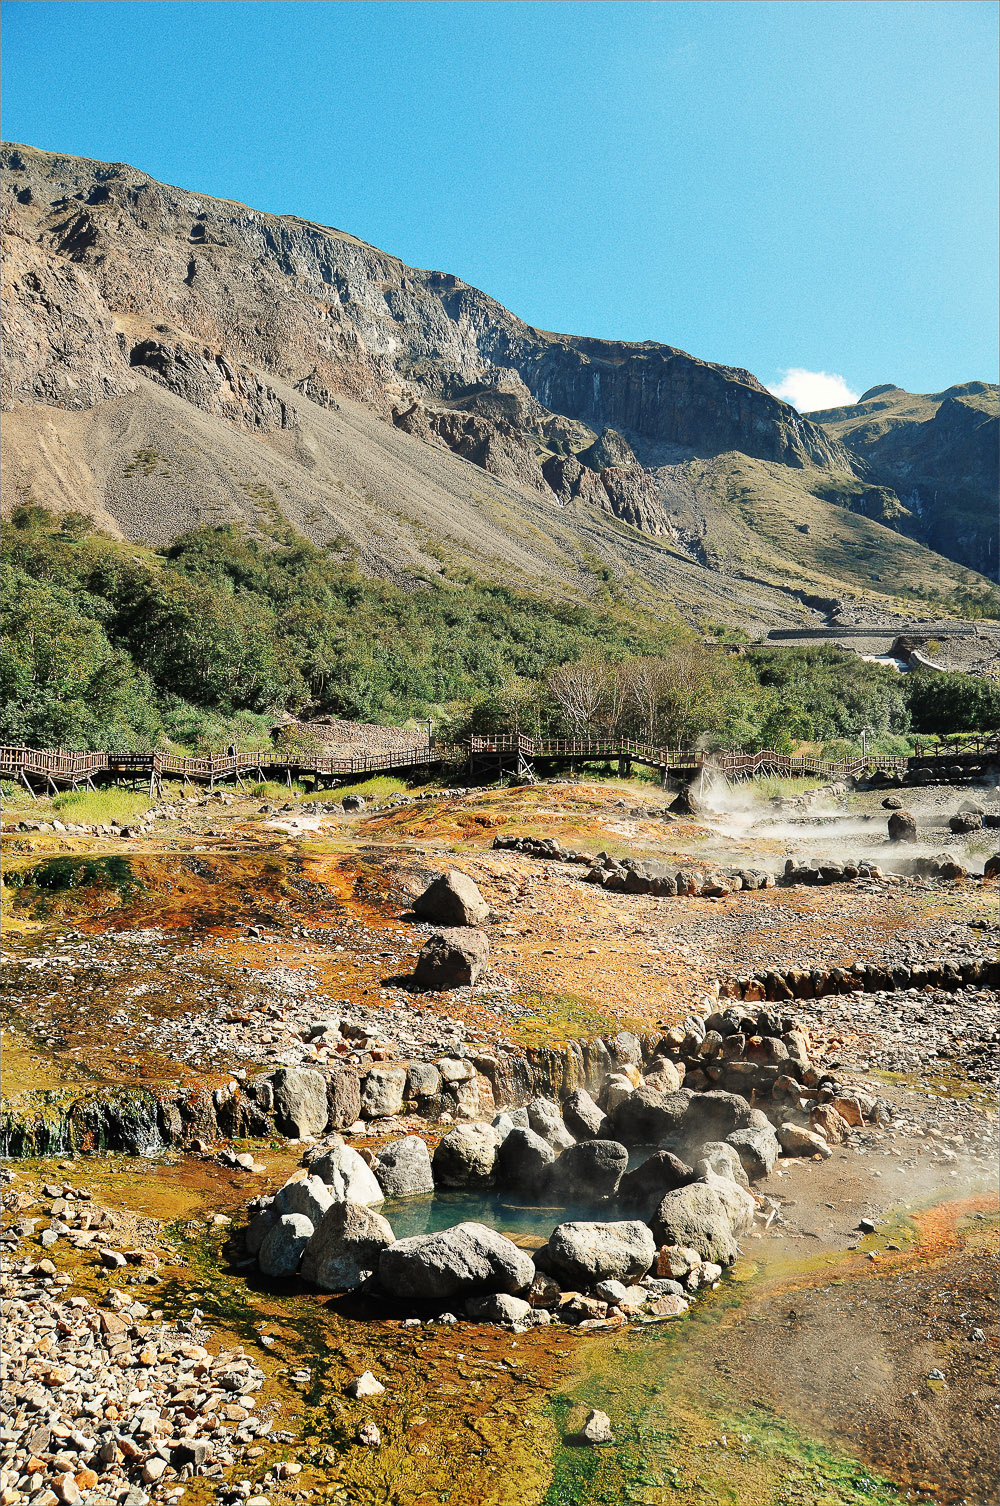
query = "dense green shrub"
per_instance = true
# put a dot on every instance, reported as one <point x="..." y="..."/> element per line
<point x="112" y="645"/>
<point x="823" y="693"/>
<point x="61" y="681"/>
<point x="948" y="703"/>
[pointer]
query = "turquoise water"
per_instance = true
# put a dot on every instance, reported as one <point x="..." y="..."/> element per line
<point x="504" y="1211"/>
<point x="442" y="1210"/>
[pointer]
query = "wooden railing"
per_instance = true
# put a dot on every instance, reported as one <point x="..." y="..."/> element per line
<point x="583" y="748"/>
<point x="768" y="760"/>
<point x="987" y="742"/>
<point x="731" y="762"/>
<point x="59" y="763"/>
<point x="61" y="767"/>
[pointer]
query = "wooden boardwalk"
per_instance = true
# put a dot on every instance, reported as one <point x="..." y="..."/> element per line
<point x="673" y="762"/>
<point x="53" y="769"/>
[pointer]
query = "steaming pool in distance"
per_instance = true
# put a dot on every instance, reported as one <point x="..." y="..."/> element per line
<point x="504" y="1210"/>
<point x="499" y="1211"/>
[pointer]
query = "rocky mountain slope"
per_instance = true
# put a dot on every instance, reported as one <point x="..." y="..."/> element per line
<point x="174" y="359"/>
<point x="939" y="453"/>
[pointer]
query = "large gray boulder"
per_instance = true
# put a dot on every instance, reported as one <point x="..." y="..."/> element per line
<point x="309" y="1195"/>
<point x="455" y="1070"/>
<point x="382" y="1092"/>
<point x="258" y="1228"/>
<point x="403" y="1167"/>
<point x="902" y="827"/>
<point x="546" y="1119"/>
<point x="344" y="1251"/>
<point x="714" y="1115"/>
<point x="797" y="1140"/>
<point x="451" y="959"/>
<point x="466" y="1157"/>
<point x="300" y="1106"/>
<point x="758" y="1149"/>
<point x="617" y="1087"/>
<point x="423" y="1080"/>
<point x="664" y="1076"/>
<point x="523" y="1161"/>
<point x="347" y="1176"/>
<point x="592" y="1169"/>
<point x="343" y="1098"/>
<point x="660" y="1173"/>
<point x="452" y="899"/>
<point x="626" y="1047"/>
<point x="720" y="1158"/>
<point x="706" y="1216"/>
<point x="584" y="1119"/>
<point x="648" y="1117"/>
<point x="454" y="1262"/>
<point x="581" y="1254"/>
<point x="498" y="1307"/>
<point x="281" y="1251"/>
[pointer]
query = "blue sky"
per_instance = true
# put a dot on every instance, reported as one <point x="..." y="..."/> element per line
<point x="794" y="185"/>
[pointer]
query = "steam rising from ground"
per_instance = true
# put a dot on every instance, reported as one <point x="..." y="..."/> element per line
<point x="819" y="826"/>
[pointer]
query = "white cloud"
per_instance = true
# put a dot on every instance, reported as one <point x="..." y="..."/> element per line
<point x="808" y="390"/>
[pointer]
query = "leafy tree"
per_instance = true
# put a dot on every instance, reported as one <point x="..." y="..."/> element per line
<point x="61" y="682"/>
<point x="946" y="703"/>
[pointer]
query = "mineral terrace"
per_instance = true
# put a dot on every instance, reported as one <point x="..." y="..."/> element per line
<point x="535" y="1144"/>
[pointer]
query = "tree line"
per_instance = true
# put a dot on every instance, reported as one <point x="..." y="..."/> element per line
<point x="209" y="640"/>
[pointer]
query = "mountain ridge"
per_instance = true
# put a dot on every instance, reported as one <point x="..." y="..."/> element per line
<point x="123" y="292"/>
<point x="939" y="453"/>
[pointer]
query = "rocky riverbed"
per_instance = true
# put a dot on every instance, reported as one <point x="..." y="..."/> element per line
<point x="196" y="994"/>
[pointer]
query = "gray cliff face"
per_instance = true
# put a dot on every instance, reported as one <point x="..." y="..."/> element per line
<point x="659" y="395"/>
<point x="109" y="272"/>
<point x="174" y="360"/>
<point x="938" y="453"/>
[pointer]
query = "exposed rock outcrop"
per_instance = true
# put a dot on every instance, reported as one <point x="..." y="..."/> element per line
<point x="239" y="292"/>
<point x="254" y="359"/>
<point x="464" y="1261"/>
<point x="938" y="452"/>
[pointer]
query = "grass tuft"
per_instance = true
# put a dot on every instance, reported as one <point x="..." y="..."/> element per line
<point x="273" y="789"/>
<point x="100" y="807"/>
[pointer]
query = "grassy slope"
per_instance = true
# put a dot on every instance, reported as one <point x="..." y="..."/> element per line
<point x="887" y="410"/>
<point x="404" y="507"/>
<point x="949" y="462"/>
<point x="767" y="520"/>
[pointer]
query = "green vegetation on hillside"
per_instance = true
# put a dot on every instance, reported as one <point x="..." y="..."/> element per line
<point x="124" y="645"/>
<point x="820" y="533"/>
<point x="205" y="642"/>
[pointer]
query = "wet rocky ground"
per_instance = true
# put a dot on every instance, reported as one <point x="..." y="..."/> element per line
<point x="219" y="966"/>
